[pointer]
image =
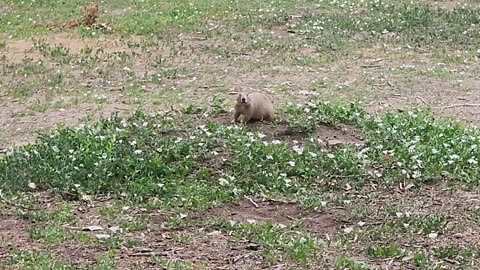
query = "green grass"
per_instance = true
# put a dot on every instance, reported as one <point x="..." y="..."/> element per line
<point x="148" y="156"/>
<point x="163" y="171"/>
<point x="191" y="167"/>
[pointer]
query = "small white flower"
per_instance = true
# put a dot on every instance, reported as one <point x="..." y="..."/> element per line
<point x="416" y="174"/>
<point x="223" y="181"/>
<point x="269" y="157"/>
<point x="312" y="154"/>
<point x="330" y="155"/>
<point x="276" y="142"/>
<point x="348" y="230"/>
<point x="133" y="143"/>
<point x="137" y="152"/>
<point x="454" y="156"/>
<point x="297" y="149"/>
<point x="55" y="149"/>
<point x="291" y="163"/>
<point x="261" y="135"/>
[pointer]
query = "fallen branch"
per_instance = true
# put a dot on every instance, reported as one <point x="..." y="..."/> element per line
<point x="458" y="105"/>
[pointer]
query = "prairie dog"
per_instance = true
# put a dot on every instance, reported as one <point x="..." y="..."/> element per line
<point x="253" y="106"/>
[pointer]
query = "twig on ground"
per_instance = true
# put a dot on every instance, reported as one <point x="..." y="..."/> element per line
<point x="371" y="66"/>
<point x="241" y="256"/>
<point x="252" y="201"/>
<point x="142" y="254"/>
<point x="422" y="100"/>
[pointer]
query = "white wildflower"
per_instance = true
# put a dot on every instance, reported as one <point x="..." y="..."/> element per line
<point x="454" y="156"/>
<point x="297" y="149"/>
<point x="291" y="163"/>
<point x="472" y="160"/>
<point x="223" y="181"/>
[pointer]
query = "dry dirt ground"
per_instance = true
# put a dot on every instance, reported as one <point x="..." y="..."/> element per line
<point x="194" y="69"/>
<point x="383" y="80"/>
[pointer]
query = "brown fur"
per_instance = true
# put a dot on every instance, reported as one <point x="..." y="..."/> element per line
<point x="256" y="106"/>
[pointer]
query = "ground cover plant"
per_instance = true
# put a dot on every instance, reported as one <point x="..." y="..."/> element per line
<point x="117" y="151"/>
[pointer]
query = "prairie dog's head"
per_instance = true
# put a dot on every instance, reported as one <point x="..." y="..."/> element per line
<point x="243" y="98"/>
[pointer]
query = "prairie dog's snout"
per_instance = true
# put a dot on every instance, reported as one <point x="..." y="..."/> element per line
<point x="242" y="98"/>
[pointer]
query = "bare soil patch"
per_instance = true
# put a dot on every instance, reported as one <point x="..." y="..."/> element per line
<point x="208" y="248"/>
<point x="13" y="234"/>
<point x="22" y="130"/>
<point x="278" y="213"/>
<point x="345" y="134"/>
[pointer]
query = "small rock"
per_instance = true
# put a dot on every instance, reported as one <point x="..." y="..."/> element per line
<point x="102" y="236"/>
<point x="334" y="142"/>
<point x="458" y="235"/>
<point x="348" y="230"/>
<point x="432" y="235"/>
<point x="92" y="228"/>
<point x="251" y="221"/>
<point x="252" y="246"/>
<point x="115" y="229"/>
<point x="214" y="233"/>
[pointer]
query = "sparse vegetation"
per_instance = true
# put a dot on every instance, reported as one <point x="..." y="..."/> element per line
<point x="146" y="170"/>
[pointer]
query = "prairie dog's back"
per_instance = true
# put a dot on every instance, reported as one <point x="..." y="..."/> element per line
<point x="263" y="106"/>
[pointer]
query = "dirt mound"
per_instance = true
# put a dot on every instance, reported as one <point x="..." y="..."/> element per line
<point x="276" y="212"/>
<point x="329" y="135"/>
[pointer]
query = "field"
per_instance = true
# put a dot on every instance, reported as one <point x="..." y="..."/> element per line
<point x="117" y="149"/>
